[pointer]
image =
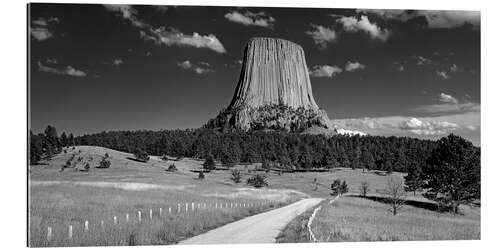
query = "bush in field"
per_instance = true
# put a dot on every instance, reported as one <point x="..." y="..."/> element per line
<point x="364" y="187"/>
<point x="141" y="155"/>
<point x="172" y="168"/>
<point x="236" y="176"/>
<point x="258" y="181"/>
<point x="266" y="166"/>
<point x="104" y="163"/>
<point x="339" y="187"/>
<point x="209" y="163"/>
<point x="201" y="175"/>
<point x="106" y="155"/>
<point x="164" y="158"/>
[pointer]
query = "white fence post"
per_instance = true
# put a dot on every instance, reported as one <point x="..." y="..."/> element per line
<point x="49" y="234"/>
<point x="150" y="214"/>
<point x="192" y="206"/>
<point x="127" y="217"/>
<point x="179" y="208"/>
<point x="114" y="220"/>
<point x="70" y="231"/>
<point x="160" y="211"/>
<point x="169" y="210"/>
<point x="102" y="224"/>
<point x="139" y="215"/>
<point x="86" y="225"/>
<point x="187" y="205"/>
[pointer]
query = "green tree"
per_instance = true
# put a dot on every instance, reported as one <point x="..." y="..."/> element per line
<point x="336" y="187"/>
<point x="209" y="163"/>
<point x="413" y="180"/>
<point x="236" y="175"/>
<point x="452" y="172"/>
<point x="141" y="155"/>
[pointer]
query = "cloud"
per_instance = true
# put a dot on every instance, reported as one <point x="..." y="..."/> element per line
<point x="420" y="127"/>
<point x="40" y="21"/>
<point x="352" y="66"/>
<point x="115" y="62"/>
<point x="352" y="24"/>
<point x="200" y="68"/>
<point x="249" y="18"/>
<point x="322" y="36"/>
<point x="435" y="18"/>
<point x="171" y="36"/>
<point x="442" y="74"/>
<point x="40" y="34"/>
<point x="127" y="12"/>
<point x="422" y="60"/>
<point x="70" y="71"/>
<point x="445" y="98"/>
<point x="160" y="8"/>
<point x="454" y="68"/>
<point x="325" y="71"/>
<point x="448" y="108"/>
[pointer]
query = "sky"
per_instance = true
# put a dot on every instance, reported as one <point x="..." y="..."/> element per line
<point x="98" y="68"/>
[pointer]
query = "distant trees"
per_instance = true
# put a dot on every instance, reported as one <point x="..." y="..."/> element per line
<point x="209" y="163"/>
<point x="141" y="155"/>
<point x="364" y="187"/>
<point x="368" y="161"/>
<point x="452" y="172"/>
<point x="395" y="193"/>
<point x="104" y="163"/>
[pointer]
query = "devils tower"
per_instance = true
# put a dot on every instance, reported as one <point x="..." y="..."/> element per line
<point x="273" y="92"/>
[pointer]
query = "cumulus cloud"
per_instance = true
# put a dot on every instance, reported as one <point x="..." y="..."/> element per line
<point x="40" y="34"/>
<point x="115" y="62"/>
<point x="435" y="18"/>
<point x="325" y="71"/>
<point x="322" y="36"/>
<point x="420" y="127"/>
<point x="249" y="18"/>
<point x="40" y="21"/>
<point x="352" y="24"/>
<point x="170" y="36"/>
<point x="160" y="8"/>
<point x="422" y="60"/>
<point x="40" y="28"/>
<point x="69" y="70"/>
<point x="443" y="74"/>
<point x="352" y="66"/>
<point x="199" y="68"/>
<point x="445" y="98"/>
<point x="127" y="12"/>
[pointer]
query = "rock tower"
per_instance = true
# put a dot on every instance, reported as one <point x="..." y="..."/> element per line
<point x="273" y="92"/>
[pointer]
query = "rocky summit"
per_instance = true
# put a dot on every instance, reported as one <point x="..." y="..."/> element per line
<point x="273" y="92"/>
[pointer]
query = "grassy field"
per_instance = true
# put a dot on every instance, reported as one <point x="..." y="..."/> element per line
<point x="58" y="199"/>
<point x="359" y="219"/>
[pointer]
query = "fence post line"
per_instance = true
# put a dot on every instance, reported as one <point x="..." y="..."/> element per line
<point x="169" y="210"/>
<point x="139" y="215"/>
<point x="70" y="231"/>
<point x="102" y="224"/>
<point x="86" y="225"/>
<point x="127" y="218"/>
<point x="150" y="214"/>
<point x="49" y="234"/>
<point x="160" y="211"/>
<point x="178" y="208"/>
<point x="192" y="206"/>
<point x="187" y="205"/>
<point x="204" y="205"/>
<point x="114" y="220"/>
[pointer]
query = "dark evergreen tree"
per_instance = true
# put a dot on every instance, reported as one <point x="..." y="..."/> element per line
<point x="209" y="163"/>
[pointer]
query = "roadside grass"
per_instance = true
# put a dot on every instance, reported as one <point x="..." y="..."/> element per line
<point x="358" y="219"/>
<point x="296" y="231"/>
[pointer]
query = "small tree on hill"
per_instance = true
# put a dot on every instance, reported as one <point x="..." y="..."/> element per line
<point x="236" y="176"/>
<point x="364" y="188"/>
<point x="336" y="187"/>
<point x="172" y="168"/>
<point x="344" y="188"/>
<point x="395" y="193"/>
<point x="141" y="155"/>
<point x="209" y="163"/>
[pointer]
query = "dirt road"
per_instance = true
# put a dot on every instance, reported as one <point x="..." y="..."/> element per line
<point x="260" y="228"/>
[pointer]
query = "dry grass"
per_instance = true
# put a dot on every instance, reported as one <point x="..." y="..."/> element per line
<point x="358" y="219"/>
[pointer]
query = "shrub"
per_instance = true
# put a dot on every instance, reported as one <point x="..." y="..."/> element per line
<point x="258" y="181"/>
<point x="141" y="155"/>
<point x="105" y="163"/>
<point x="106" y="155"/>
<point x="209" y="163"/>
<point x="236" y="176"/>
<point x="172" y="168"/>
<point x="395" y="193"/>
<point x="201" y="175"/>
<point x="344" y="188"/>
<point x="164" y="158"/>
